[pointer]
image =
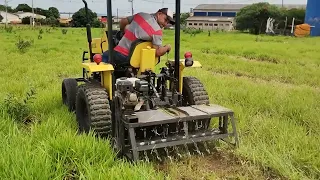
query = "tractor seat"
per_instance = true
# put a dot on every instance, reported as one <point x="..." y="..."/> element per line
<point x="135" y="57"/>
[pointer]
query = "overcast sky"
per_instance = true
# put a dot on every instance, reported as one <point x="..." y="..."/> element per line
<point x="124" y="7"/>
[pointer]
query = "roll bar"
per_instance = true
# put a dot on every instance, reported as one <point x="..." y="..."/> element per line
<point x="89" y="35"/>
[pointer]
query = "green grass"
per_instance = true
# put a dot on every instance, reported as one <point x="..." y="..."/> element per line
<point x="272" y="84"/>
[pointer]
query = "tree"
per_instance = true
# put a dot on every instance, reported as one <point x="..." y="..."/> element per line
<point x="80" y="20"/>
<point x="53" y="12"/>
<point x="254" y="17"/>
<point x="23" y="7"/>
<point x="3" y="8"/>
<point x="40" y="11"/>
<point x="1" y="18"/>
<point x="52" y="21"/>
<point x="183" y="18"/>
<point x="298" y="14"/>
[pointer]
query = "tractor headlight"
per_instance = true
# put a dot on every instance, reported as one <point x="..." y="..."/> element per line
<point x="188" y="62"/>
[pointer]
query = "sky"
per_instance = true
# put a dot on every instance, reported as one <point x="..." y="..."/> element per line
<point x="124" y="6"/>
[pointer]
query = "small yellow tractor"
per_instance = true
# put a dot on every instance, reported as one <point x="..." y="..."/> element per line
<point x="140" y="111"/>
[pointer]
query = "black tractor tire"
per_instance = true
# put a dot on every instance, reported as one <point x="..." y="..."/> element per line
<point x="194" y="93"/>
<point x="93" y="110"/>
<point x="69" y="93"/>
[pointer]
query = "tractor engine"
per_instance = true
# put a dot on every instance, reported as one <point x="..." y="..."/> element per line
<point x="126" y="93"/>
<point x="143" y="94"/>
<point x="132" y="93"/>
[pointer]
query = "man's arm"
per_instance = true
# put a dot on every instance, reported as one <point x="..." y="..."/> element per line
<point x="157" y="44"/>
<point x="161" y="50"/>
<point x="124" y="22"/>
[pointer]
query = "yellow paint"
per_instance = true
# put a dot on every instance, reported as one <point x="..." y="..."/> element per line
<point x="146" y="62"/>
<point x="105" y="43"/>
<point x="93" y="67"/>
<point x="106" y="82"/>
<point x="196" y="64"/>
<point x="136" y="57"/>
<point x="96" y="46"/>
<point x="98" y="42"/>
<point x="181" y="76"/>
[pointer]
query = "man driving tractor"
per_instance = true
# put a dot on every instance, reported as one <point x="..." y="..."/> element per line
<point x="142" y="26"/>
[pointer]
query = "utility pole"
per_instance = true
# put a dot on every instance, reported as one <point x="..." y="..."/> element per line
<point x="162" y="3"/>
<point x="118" y="15"/>
<point x="6" y="3"/>
<point x="32" y="15"/>
<point x="282" y="3"/>
<point x="131" y="6"/>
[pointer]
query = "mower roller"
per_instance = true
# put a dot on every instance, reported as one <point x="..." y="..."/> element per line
<point x="143" y="113"/>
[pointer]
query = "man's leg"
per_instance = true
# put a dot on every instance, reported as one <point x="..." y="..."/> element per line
<point x="121" y="59"/>
<point x="118" y="58"/>
<point x="105" y="57"/>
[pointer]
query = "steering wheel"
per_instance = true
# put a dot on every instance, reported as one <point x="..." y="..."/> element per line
<point x="118" y="36"/>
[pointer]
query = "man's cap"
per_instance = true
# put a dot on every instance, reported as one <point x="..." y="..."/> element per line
<point x="169" y="13"/>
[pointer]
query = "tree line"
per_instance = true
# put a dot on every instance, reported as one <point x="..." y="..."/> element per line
<point x="52" y="14"/>
<point x="253" y="18"/>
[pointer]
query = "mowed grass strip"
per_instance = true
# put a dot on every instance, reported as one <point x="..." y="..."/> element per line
<point x="278" y="125"/>
<point x="275" y="98"/>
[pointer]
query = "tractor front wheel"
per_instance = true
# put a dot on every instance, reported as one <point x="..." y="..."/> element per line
<point x="93" y="110"/>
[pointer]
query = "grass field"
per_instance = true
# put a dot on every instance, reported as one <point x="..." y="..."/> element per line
<point x="272" y="84"/>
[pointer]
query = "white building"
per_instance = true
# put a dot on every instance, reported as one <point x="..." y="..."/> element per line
<point x="16" y="18"/>
<point x="12" y="18"/>
<point x="29" y="14"/>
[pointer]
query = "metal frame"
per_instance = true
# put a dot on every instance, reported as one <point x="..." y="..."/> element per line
<point x="224" y="115"/>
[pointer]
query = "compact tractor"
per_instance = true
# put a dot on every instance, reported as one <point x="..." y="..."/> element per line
<point x="142" y="112"/>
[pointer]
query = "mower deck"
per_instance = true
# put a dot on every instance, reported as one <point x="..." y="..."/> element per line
<point x="179" y="115"/>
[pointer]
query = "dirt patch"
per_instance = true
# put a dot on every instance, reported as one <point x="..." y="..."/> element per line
<point x="220" y="164"/>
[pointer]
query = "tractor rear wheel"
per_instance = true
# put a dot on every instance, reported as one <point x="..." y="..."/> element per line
<point x="93" y="110"/>
<point x="69" y="93"/>
<point x="194" y="93"/>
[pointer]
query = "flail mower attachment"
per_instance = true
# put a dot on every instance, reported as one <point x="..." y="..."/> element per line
<point x="177" y="127"/>
<point x="171" y="131"/>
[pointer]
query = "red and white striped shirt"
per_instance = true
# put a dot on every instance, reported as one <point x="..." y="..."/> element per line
<point x="143" y="26"/>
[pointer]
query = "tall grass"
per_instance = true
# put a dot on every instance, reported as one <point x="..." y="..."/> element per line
<point x="272" y="84"/>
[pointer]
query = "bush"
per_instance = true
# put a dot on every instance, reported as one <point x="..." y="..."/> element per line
<point x="52" y="21"/>
<point x="9" y="29"/>
<point x="64" y="31"/>
<point x="23" y="45"/>
<point x="19" y="109"/>
<point x="26" y="20"/>
<point x="97" y="24"/>
<point x="192" y="31"/>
